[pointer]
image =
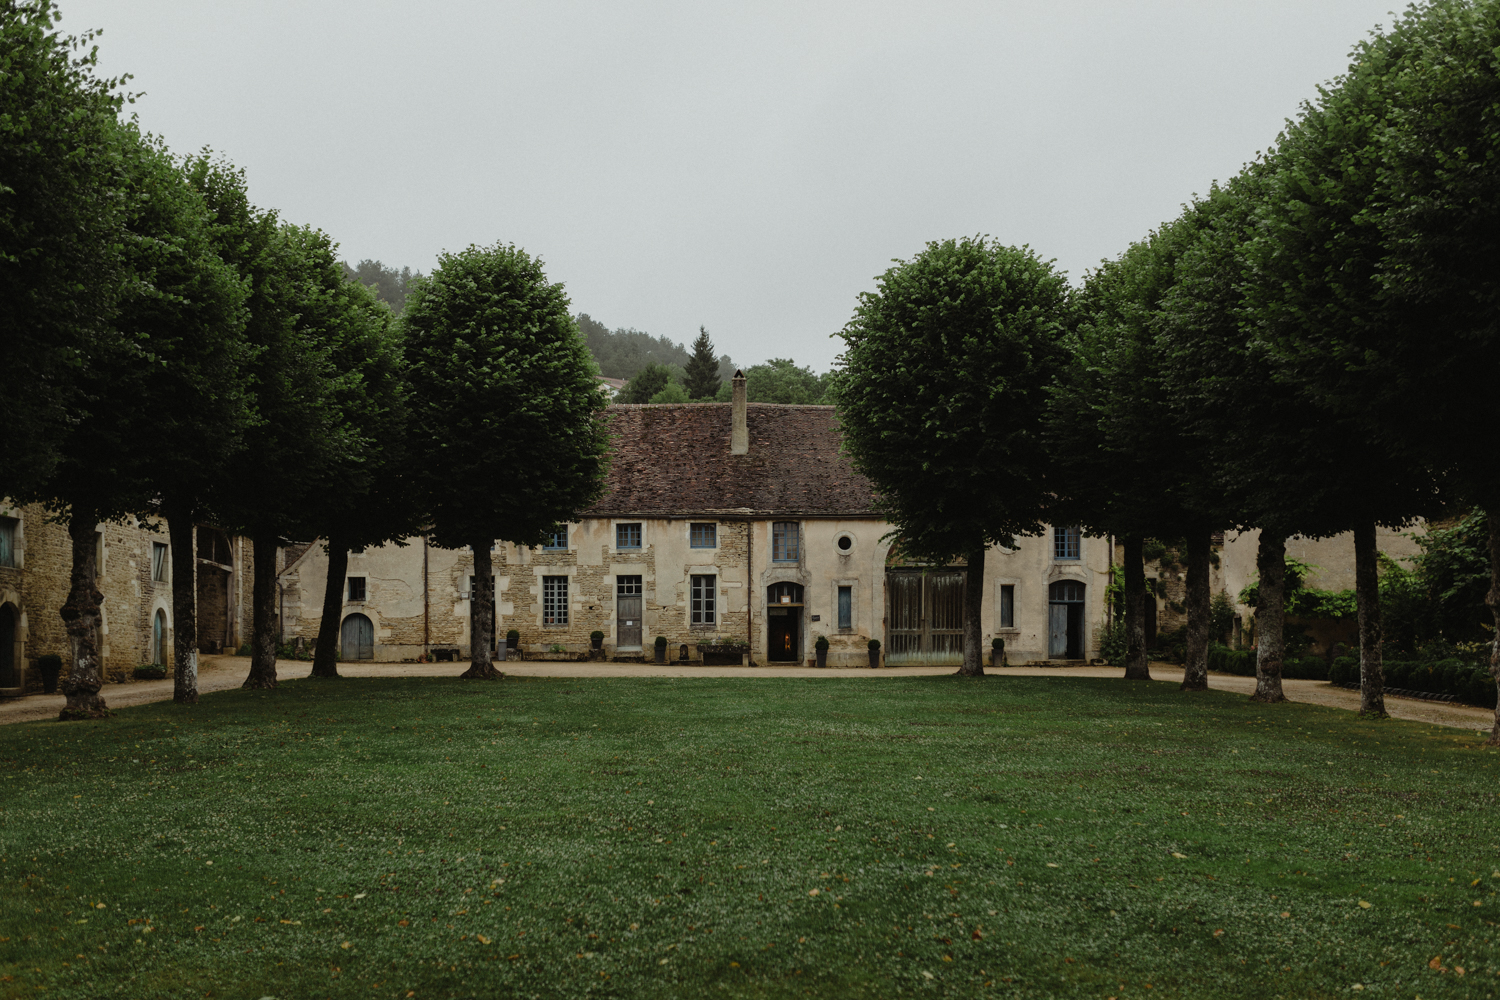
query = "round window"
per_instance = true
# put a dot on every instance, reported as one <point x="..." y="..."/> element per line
<point x="845" y="543"/>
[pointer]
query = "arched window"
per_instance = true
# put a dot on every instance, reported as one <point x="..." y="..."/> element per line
<point x="357" y="639"/>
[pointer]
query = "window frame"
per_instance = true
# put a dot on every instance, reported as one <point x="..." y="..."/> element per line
<point x="703" y="604"/>
<point x="695" y="531"/>
<point x="640" y="536"/>
<point x="364" y="589"/>
<point x="551" y="543"/>
<point x="9" y="530"/>
<point x="1007" y="610"/>
<point x="160" y="562"/>
<point x="782" y="533"/>
<point x="1067" y="544"/>
<point x="555" y="600"/>
<point x="844" y="606"/>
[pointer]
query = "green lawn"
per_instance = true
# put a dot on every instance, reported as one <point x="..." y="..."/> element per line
<point x="1011" y="837"/>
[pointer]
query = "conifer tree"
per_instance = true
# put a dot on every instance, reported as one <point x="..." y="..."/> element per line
<point x="702" y="369"/>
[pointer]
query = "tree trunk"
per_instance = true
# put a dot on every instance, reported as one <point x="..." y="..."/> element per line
<point x="82" y="619"/>
<point x="1137" y="667"/>
<point x="263" y="602"/>
<point x="1493" y="600"/>
<point x="1270" y="615"/>
<point x="326" y="654"/>
<point x="1195" y="671"/>
<point x="973" y="617"/>
<point x="184" y="605"/>
<point x="482" y="617"/>
<point x="1367" y="595"/>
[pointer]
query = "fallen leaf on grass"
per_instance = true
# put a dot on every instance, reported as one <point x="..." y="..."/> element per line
<point x="482" y="939"/>
<point x="360" y="895"/>
<point x="1051" y="865"/>
<point x="1177" y="855"/>
<point x="1364" y="905"/>
<point x="813" y="892"/>
<point x="1219" y="932"/>
<point x="1436" y="963"/>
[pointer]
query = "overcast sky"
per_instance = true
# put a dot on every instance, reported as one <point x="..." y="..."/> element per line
<point x="747" y="167"/>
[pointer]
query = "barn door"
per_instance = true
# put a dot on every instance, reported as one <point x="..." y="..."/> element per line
<point x="925" y="616"/>
<point x="1057" y="631"/>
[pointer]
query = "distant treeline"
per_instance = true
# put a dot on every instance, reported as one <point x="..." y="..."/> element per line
<point x="622" y="353"/>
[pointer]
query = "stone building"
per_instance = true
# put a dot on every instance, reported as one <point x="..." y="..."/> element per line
<point x="135" y="577"/>
<point x="720" y="521"/>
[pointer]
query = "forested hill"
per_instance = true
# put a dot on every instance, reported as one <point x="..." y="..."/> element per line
<point x="621" y="353"/>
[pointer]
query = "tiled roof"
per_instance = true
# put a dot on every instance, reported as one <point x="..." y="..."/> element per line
<point x="673" y="461"/>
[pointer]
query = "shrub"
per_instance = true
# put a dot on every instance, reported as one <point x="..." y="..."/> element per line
<point x="596" y="634"/>
<point x="150" y="672"/>
<point x="1469" y="683"/>
<point x="1241" y="663"/>
<point x="49" y="661"/>
<point x="1112" y="643"/>
<point x="661" y="640"/>
<point x="822" y="642"/>
<point x="873" y="644"/>
<point x="512" y="634"/>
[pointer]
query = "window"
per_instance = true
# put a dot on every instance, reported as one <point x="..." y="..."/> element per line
<point x="786" y="541"/>
<point x="628" y="586"/>
<point x="703" y="599"/>
<point x="158" y="562"/>
<point x="846" y="607"/>
<point x="627" y="536"/>
<point x="357" y="588"/>
<point x="703" y="536"/>
<point x="7" y="541"/>
<point x="554" y="600"/>
<point x="845" y="543"/>
<point x="1007" y="605"/>
<point x="1066" y="543"/>
<point x="470" y="594"/>
<point x="557" y="541"/>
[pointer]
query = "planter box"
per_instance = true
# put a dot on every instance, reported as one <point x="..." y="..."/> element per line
<point x="723" y="656"/>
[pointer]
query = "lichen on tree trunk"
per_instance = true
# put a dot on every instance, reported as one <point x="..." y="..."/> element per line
<point x="1493" y="600"/>
<point x="326" y="653"/>
<point x="82" y="619"/>
<point x="1137" y="667"/>
<point x="184" y="606"/>
<point x="1270" y="614"/>
<point x="263" y="610"/>
<point x="1195" y="670"/>
<point x="482" y="617"/>
<point x="973" y="665"/>
<point x="1367" y="597"/>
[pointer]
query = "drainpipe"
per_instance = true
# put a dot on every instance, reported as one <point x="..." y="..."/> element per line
<point x="426" y="617"/>
<point x="750" y="586"/>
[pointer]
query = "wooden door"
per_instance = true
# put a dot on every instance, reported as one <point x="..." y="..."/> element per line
<point x="1057" y="631"/>
<point x="357" y="639"/>
<point x="925" y="616"/>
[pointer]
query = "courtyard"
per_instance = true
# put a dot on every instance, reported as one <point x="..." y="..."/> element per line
<point x="1023" y="836"/>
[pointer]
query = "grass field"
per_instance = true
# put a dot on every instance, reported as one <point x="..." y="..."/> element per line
<point x="1010" y="837"/>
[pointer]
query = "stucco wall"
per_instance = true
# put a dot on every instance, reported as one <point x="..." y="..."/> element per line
<point x="741" y="561"/>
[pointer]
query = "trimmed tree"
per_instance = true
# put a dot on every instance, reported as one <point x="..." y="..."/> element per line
<point x="702" y="380"/>
<point x="377" y="500"/>
<point x="506" y="413"/>
<point x="60" y="210"/>
<point x="941" y="391"/>
<point x="1124" y="465"/>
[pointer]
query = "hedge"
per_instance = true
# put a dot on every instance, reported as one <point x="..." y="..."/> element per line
<point x="1241" y="663"/>
<point x="1471" y="684"/>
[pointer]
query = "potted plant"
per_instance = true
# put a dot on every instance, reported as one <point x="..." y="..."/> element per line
<point x="596" y="639"/>
<point x="50" y="667"/>
<point x="513" y="639"/>
<point x="874" y="647"/>
<point x="150" y="672"/>
<point x="997" y="652"/>
<point x="661" y="649"/>
<point x="821" y="647"/>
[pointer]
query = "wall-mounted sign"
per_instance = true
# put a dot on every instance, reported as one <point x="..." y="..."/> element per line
<point x="817" y="618"/>
<point x="786" y="598"/>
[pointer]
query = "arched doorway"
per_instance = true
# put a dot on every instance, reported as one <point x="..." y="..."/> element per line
<point x="357" y="639"/>
<point x="784" y="622"/>
<point x="10" y="674"/>
<point x="159" y="637"/>
<point x="1065" y="620"/>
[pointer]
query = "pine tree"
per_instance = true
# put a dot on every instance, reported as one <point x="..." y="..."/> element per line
<point x="703" y="368"/>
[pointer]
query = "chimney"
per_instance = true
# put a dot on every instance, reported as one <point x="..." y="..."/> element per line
<point x="739" y="438"/>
